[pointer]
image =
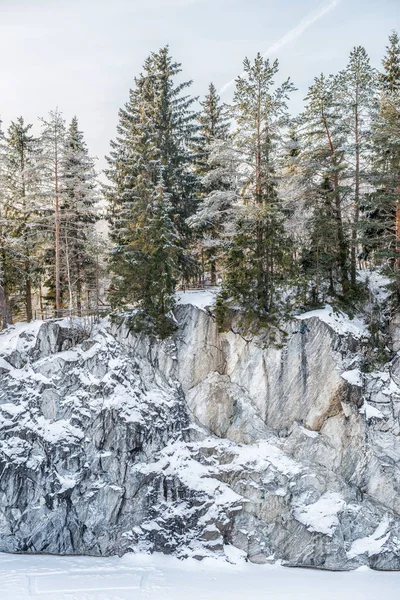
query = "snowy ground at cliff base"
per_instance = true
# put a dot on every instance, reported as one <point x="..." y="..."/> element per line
<point x="157" y="577"/>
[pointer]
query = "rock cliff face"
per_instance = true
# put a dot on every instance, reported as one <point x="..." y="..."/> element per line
<point x="111" y="442"/>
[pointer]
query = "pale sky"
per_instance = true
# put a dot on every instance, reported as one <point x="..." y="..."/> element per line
<point x="82" y="55"/>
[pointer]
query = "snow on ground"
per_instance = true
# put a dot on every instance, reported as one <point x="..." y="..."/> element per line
<point x="199" y="298"/>
<point x="157" y="577"/>
<point x="338" y="321"/>
<point x="21" y="336"/>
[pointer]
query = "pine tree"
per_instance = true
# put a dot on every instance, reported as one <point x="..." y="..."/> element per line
<point x="322" y="161"/>
<point x="52" y="144"/>
<point x="79" y="213"/>
<point x="356" y="91"/>
<point x="149" y="186"/>
<point x="258" y="259"/>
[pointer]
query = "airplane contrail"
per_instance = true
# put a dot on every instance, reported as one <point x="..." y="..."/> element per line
<point x="291" y="35"/>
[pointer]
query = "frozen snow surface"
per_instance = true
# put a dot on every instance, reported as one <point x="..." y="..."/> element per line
<point x="157" y="577"/>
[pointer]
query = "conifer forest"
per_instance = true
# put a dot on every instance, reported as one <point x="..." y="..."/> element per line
<point x="278" y="211"/>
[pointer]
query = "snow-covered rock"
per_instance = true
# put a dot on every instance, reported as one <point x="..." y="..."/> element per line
<point x="113" y="442"/>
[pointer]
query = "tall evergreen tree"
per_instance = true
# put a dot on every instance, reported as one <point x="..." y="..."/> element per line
<point x="214" y="181"/>
<point x="323" y="164"/>
<point x="356" y="93"/>
<point x="213" y="125"/>
<point x="21" y="194"/>
<point x="52" y="145"/>
<point x="384" y="206"/>
<point x="151" y="192"/>
<point x="79" y="213"/>
<point x="390" y="77"/>
<point x="174" y="123"/>
<point x="258" y="258"/>
<point x="6" y="316"/>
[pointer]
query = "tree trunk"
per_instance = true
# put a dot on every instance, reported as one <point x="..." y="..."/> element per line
<point x="70" y="296"/>
<point x="57" y="238"/>
<point x="28" y="285"/>
<point x="259" y="249"/>
<point x="398" y="229"/>
<point x="213" y="272"/>
<point x="28" y="292"/>
<point x="344" y="276"/>
<point x="6" y="317"/>
<point x="79" y="294"/>
<point x="41" y="299"/>
<point x="354" y="228"/>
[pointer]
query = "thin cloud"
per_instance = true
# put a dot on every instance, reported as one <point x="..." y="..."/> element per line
<point x="292" y="35"/>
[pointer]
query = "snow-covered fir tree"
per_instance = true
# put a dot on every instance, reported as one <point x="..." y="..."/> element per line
<point x="215" y="182"/>
<point x="214" y="125"/>
<point x="390" y="77"/>
<point x="21" y="208"/>
<point x="174" y="123"/>
<point x="149" y="180"/>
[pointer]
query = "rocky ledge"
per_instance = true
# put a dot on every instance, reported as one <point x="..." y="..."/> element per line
<point x="112" y="442"/>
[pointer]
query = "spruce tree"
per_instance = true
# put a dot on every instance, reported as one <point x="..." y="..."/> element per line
<point x="214" y="218"/>
<point x="150" y="195"/>
<point x="175" y="127"/>
<point x="154" y="250"/>
<point x="214" y="182"/>
<point x="213" y="125"/>
<point x="21" y="196"/>
<point x="319" y="262"/>
<point x="390" y="78"/>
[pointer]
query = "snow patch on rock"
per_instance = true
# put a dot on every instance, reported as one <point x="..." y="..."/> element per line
<point x="338" y="321"/>
<point x="373" y="543"/>
<point x="199" y="298"/>
<point x="322" y="515"/>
